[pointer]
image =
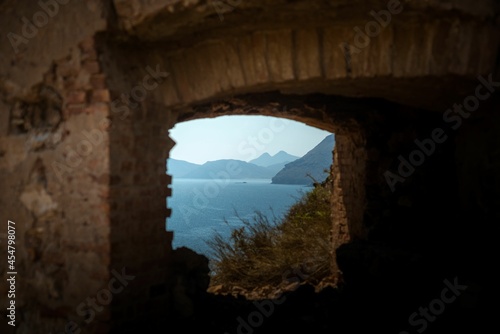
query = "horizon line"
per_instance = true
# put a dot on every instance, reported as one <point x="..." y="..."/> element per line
<point x="195" y="163"/>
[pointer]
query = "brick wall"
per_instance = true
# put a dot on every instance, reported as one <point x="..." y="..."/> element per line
<point x="55" y="154"/>
<point x="139" y="185"/>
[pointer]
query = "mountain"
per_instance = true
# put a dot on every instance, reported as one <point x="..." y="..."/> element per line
<point x="266" y="160"/>
<point x="235" y="169"/>
<point x="277" y="167"/>
<point x="179" y="168"/>
<point x="313" y="163"/>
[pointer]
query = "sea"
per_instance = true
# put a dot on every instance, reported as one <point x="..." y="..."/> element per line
<point x="201" y="208"/>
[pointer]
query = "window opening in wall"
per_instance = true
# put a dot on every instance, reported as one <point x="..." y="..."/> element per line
<point x="252" y="194"/>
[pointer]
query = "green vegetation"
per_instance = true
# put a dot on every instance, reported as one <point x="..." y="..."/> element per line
<point x="269" y="251"/>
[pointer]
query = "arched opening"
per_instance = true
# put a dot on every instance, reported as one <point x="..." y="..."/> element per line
<point x="371" y="132"/>
<point x="243" y="174"/>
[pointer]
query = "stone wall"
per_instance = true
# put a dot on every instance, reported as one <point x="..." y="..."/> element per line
<point x="84" y="138"/>
<point x="29" y="50"/>
<point x="349" y="170"/>
<point x="55" y="167"/>
<point x="348" y="197"/>
<point x="220" y="59"/>
<point x="139" y="185"/>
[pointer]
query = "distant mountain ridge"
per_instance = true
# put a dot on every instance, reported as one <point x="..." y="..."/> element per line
<point x="313" y="163"/>
<point x="179" y="168"/>
<point x="234" y="169"/>
<point x="263" y="167"/>
<point x="266" y="160"/>
<point x="281" y="168"/>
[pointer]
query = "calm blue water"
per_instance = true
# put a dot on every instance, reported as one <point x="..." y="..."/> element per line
<point x="201" y="207"/>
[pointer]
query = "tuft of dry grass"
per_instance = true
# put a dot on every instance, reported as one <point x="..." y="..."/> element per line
<point x="270" y="251"/>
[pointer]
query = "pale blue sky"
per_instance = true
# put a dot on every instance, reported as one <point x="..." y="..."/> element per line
<point x="242" y="138"/>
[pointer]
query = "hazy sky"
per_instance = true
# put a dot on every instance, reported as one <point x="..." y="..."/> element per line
<point x="242" y="138"/>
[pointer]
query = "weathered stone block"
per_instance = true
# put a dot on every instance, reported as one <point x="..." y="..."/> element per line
<point x="253" y="58"/>
<point x="76" y="97"/>
<point x="280" y="55"/>
<point x="335" y="64"/>
<point x="100" y="95"/>
<point x="98" y="81"/>
<point x="91" y="66"/>
<point x="307" y="54"/>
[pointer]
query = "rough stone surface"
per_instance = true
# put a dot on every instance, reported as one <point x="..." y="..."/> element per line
<point x="84" y="138"/>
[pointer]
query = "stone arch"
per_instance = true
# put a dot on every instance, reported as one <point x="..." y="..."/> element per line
<point x="320" y="58"/>
<point x="229" y="74"/>
<point x="314" y="110"/>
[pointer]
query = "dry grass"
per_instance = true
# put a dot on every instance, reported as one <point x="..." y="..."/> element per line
<point x="268" y="251"/>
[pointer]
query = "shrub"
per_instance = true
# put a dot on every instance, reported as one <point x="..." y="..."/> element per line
<point x="268" y="251"/>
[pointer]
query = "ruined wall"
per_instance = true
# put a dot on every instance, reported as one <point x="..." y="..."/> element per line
<point x="55" y="162"/>
<point x="32" y="39"/>
<point x="83" y="167"/>
<point x="349" y="170"/>
<point x="212" y="58"/>
<point x="139" y="185"/>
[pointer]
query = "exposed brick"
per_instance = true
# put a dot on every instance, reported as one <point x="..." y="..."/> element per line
<point x="89" y="55"/>
<point x="75" y="109"/>
<point x="68" y="68"/>
<point x="70" y="84"/>
<point x="100" y="107"/>
<point x="100" y="95"/>
<point x="98" y="81"/>
<point x="91" y="66"/>
<point x="76" y="97"/>
<point x="87" y="44"/>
